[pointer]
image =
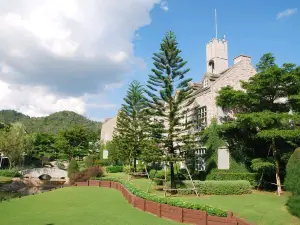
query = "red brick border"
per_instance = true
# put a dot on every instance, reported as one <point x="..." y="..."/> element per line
<point x="190" y="216"/>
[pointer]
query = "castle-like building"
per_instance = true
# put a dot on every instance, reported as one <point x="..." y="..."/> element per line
<point x="218" y="74"/>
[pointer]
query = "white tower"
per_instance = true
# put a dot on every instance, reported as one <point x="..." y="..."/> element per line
<point x="216" y="53"/>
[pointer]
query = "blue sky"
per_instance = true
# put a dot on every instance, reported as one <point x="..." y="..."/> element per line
<point x="251" y="28"/>
<point x="81" y="55"/>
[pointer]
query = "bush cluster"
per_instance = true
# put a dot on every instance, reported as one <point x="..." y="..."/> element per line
<point x="251" y="177"/>
<point x="158" y="176"/>
<point x="9" y="173"/>
<point x="114" y="169"/>
<point x="85" y="175"/>
<point x="293" y="205"/>
<point x="230" y="187"/>
<point x="174" y="202"/>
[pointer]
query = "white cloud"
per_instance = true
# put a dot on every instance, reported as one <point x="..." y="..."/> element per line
<point x="54" y="52"/>
<point x="37" y="100"/>
<point x="70" y="46"/>
<point x="164" y="5"/>
<point x="286" y="13"/>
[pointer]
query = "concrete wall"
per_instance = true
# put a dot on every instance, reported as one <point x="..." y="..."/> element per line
<point x="108" y="129"/>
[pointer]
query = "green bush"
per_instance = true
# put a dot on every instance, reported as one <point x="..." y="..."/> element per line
<point x="158" y="176"/>
<point x="293" y="205"/>
<point x="251" y="177"/>
<point x="230" y="187"/>
<point x="126" y="169"/>
<point x="9" y="173"/>
<point x="103" y="162"/>
<point x="114" y="169"/>
<point x="292" y="181"/>
<point x="174" y="202"/>
<point x="72" y="168"/>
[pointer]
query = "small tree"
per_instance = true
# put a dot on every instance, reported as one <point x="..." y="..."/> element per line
<point x="72" y="168"/>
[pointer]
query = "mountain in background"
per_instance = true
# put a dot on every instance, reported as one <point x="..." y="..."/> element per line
<point x="50" y="124"/>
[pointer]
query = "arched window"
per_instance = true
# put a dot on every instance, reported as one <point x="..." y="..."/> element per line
<point x="211" y="65"/>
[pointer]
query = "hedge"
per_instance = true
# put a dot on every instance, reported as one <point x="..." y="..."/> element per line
<point x="293" y="205"/>
<point x="9" y="173"/>
<point x="114" y="169"/>
<point x="174" y="202"/>
<point x="251" y="177"/>
<point x="230" y="187"/>
<point x="292" y="181"/>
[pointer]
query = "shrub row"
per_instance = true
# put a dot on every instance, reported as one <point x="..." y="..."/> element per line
<point x="174" y="202"/>
<point x="251" y="177"/>
<point x="114" y="169"/>
<point x="229" y="187"/>
<point x="9" y="173"/>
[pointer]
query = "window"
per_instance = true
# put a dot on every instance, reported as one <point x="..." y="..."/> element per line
<point x="200" y="118"/>
<point x="199" y="159"/>
<point x="211" y="65"/>
<point x="203" y="115"/>
<point x="205" y="83"/>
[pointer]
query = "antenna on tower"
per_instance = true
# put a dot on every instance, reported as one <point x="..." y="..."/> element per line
<point x="216" y="23"/>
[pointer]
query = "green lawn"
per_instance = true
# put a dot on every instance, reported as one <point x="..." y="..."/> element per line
<point x="259" y="207"/>
<point x="76" y="205"/>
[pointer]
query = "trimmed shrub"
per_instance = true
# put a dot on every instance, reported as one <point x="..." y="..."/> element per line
<point x="293" y="205"/>
<point x="174" y="202"/>
<point x="89" y="161"/>
<point x="72" y="168"/>
<point x="292" y="181"/>
<point x="85" y="175"/>
<point x="159" y="176"/>
<point x="9" y="173"/>
<point x="103" y="162"/>
<point x="230" y="187"/>
<point x="251" y="177"/>
<point x="114" y="169"/>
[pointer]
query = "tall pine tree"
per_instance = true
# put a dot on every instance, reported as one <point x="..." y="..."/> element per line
<point x="169" y="94"/>
<point x="132" y="121"/>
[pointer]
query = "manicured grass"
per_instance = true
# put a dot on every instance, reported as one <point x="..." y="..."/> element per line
<point x="76" y="205"/>
<point x="259" y="207"/>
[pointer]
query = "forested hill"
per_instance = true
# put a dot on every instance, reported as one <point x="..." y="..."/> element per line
<point x="50" y="124"/>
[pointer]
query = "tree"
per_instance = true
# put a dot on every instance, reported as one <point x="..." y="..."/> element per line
<point x="14" y="143"/>
<point x="169" y="93"/>
<point x="73" y="142"/>
<point x="132" y="122"/>
<point x="263" y="121"/>
<point x="43" y="145"/>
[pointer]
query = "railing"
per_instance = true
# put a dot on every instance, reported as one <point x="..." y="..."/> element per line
<point x="189" y="216"/>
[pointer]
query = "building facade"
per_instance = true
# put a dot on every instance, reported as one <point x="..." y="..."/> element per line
<point x="218" y="75"/>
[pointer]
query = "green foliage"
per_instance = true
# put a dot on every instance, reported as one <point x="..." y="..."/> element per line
<point x="114" y="169"/>
<point x="72" y="168"/>
<point x="126" y="169"/>
<point x="292" y="179"/>
<point x="251" y="177"/>
<point x="293" y="205"/>
<point x="104" y="162"/>
<point x="9" y="173"/>
<point x="14" y="142"/>
<point x="169" y="92"/>
<point x="263" y="165"/>
<point x="263" y="125"/>
<point x="73" y="142"/>
<point x="159" y="176"/>
<point x="170" y="201"/>
<point x="227" y="187"/>
<point x="50" y="124"/>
